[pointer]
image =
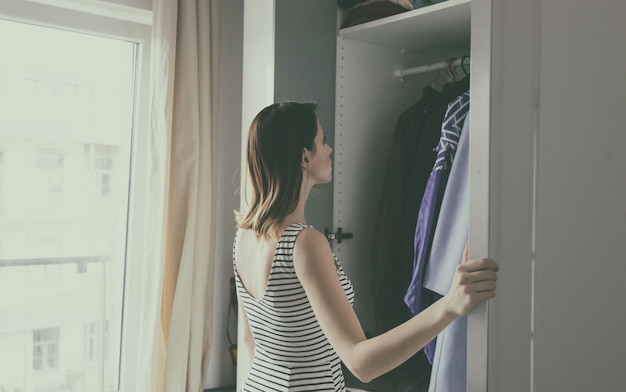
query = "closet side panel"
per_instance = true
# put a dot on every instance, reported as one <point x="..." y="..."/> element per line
<point x="581" y="230"/>
<point x="369" y="99"/>
<point x="305" y="40"/>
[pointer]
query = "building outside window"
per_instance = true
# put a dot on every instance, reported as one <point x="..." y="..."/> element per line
<point x="90" y="341"/>
<point x="95" y="334"/>
<point x="68" y="118"/>
<point x="103" y="162"/>
<point x="1" y="180"/>
<point x="46" y="349"/>
<point x="47" y="182"/>
<point x="50" y="166"/>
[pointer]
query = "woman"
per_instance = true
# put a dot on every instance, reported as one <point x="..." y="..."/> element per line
<point x="298" y="322"/>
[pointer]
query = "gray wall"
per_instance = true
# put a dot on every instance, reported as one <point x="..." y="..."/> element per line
<point x="558" y="195"/>
<point x="305" y="42"/>
<point x="579" y="302"/>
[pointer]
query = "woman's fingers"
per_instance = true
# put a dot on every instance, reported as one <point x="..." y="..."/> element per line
<point x="485" y="285"/>
<point x="475" y="281"/>
<point x="479" y="264"/>
<point x="481" y="275"/>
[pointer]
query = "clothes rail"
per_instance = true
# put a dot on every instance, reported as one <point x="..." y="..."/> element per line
<point x="402" y="72"/>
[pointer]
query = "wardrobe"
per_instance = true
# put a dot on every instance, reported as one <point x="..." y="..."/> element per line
<point x="547" y="162"/>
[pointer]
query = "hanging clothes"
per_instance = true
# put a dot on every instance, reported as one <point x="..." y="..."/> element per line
<point x="391" y="266"/>
<point x="450" y="362"/>
<point x="424" y="161"/>
<point x="410" y="161"/>
<point x="392" y="272"/>
<point x="451" y="129"/>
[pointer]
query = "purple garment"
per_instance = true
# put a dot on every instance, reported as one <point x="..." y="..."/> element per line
<point x="451" y="129"/>
<point x="448" y="373"/>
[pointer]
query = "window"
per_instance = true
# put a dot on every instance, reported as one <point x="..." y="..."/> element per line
<point x="103" y="164"/>
<point x="72" y="125"/>
<point x="90" y="341"/>
<point x="1" y="181"/>
<point x="92" y="335"/>
<point x="46" y="349"/>
<point x="47" y="182"/>
<point x="50" y="166"/>
<point x="105" y="184"/>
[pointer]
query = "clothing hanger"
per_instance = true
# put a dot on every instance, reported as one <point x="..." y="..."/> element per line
<point x="466" y="57"/>
<point x="436" y="78"/>
<point x="452" y="75"/>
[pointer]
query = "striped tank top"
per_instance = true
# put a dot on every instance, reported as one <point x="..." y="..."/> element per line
<point x="291" y="352"/>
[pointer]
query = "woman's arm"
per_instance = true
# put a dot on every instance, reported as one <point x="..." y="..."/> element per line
<point x="474" y="282"/>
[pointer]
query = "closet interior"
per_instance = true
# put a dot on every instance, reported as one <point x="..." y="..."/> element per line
<point x="384" y="67"/>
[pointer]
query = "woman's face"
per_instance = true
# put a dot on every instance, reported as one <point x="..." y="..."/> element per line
<point x="320" y="165"/>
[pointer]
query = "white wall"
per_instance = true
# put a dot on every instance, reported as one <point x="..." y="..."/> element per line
<point x="258" y="66"/>
<point x="257" y="82"/>
<point x="220" y="372"/>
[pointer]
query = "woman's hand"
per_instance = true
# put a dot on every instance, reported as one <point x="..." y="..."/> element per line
<point x="474" y="282"/>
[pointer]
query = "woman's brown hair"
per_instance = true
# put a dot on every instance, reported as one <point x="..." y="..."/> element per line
<point x="277" y="138"/>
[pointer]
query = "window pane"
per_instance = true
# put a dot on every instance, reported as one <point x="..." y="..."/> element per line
<point x="1" y="182"/>
<point x="65" y="153"/>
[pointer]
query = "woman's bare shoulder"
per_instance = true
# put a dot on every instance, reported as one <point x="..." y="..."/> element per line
<point x="310" y="237"/>
<point x="311" y="246"/>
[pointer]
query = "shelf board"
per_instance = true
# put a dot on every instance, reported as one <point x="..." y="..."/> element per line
<point x="445" y="24"/>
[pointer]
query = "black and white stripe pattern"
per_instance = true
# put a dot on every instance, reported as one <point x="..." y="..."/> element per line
<point x="291" y="350"/>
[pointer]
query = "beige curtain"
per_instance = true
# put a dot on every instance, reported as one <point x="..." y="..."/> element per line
<point x="183" y="139"/>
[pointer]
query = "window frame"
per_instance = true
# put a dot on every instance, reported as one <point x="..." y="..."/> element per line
<point x="132" y="24"/>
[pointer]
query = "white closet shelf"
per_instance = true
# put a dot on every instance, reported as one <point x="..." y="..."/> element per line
<point x="445" y="24"/>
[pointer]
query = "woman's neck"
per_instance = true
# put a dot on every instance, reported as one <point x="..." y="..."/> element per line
<point x="297" y="215"/>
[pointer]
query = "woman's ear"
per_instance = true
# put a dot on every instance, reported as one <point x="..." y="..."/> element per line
<point x="305" y="157"/>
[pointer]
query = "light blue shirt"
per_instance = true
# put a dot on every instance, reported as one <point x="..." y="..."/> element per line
<point x="450" y="362"/>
